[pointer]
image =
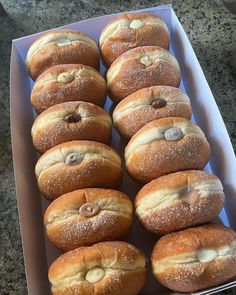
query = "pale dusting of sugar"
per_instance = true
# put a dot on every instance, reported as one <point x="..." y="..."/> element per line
<point x="113" y="280"/>
<point x="131" y="81"/>
<point x="183" y="274"/>
<point x="145" y="114"/>
<point x="48" y="95"/>
<point x="56" y="132"/>
<point x="180" y="274"/>
<point x="86" y="177"/>
<point x="190" y="152"/>
<point x="182" y="215"/>
<point x="88" y="231"/>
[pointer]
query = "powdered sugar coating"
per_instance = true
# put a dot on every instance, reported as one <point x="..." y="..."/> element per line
<point x="149" y="156"/>
<point x="127" y="74"/>
<point x="177" y="267"/>
<point x="67" y="228"/>
<point x="123" y="264"/>
<point x="89" y="86"/>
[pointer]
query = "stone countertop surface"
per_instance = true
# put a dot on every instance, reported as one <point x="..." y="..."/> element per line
<point x="209" y="27"/>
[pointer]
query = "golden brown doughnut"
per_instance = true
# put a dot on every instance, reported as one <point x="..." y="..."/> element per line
<point x="179" y="200"/>
<point x="164" y="146"/>
<point x="195" y="259"/>
<point x="139" y="68"/>
<point x="87" y="216"/>
<point x="70" y="82"/>
<point x="76" y="120"/>
<point x="77" y="164"/>
<point x="61" y="47"/>
<point x="132" y="30"/>
<point x="148" y="104"/>
<point x="106" y="268"/>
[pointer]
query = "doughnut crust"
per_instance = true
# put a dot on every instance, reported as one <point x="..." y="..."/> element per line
<point x="87" y="216"/>
<point x="61" y="47"/>
<point x="179" y="200"/>
<point x="132" y="30"/>
<point x="107" y="268"/>
<point x="164" y="146"/>
<point x="195" y="259"/>
<point x="77" y="164"/>
<point x="71" y="82"/>
<point x="76" y="120"/>
<point x="148" y="104"/>
<point x="139" y="68"/>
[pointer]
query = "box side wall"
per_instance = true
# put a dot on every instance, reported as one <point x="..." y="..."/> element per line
<point x="207" y="116"/>
<point x="28" y="197"/>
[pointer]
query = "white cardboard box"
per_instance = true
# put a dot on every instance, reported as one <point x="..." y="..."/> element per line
<point x="38" y="253"/>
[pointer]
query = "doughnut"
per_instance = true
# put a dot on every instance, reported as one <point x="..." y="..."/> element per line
<point x="196" y="258"/>
<point x="61" y="47"/>
<point x="64" y="83"/>
<point x="77" y="164"/>
<point x="164" y="146"/>
<point x="132" y="30"/>
<point x="139" y="68"/>
<point x="87" y="216"/>
<point x="179" y="200"/>
<point x="76" y="120"/>
<point x="148" y="104"/>
<point x="106" y="268"/>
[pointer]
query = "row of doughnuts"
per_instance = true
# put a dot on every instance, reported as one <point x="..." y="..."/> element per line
<point x="191" y="259"/>
<point x="71" y="131"/>
<point x="185" y="261"/>
<point x="80" y="172"/>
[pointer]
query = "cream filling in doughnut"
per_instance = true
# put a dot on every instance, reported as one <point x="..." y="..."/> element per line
<point x="89" y="153"/>
<point x="74" y="73"/>
<point x="152" y="55"/>
<point x="59" y="116"/>
<point x="166" y="198"/>
<point x="203" y="255"/>
<point x="63" y="42"/>
<point x="83" y="276"/>
<point x="134" y="106"/>
<point x="59" y="38"/>
<point x="157" y="133"/>
<point x="111" y="205"/>
<point x="136" y="24"/>
<point x="119" y="24"/>
<point x="95" y="275"/>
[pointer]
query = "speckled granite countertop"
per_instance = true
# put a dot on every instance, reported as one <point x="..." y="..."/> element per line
<point x="209" y="27"/>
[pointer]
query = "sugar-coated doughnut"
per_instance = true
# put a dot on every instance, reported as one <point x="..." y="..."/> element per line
<point x="70" y="82"/>
<point x="131" y="30"/>
<point x="106" y="268"/>
<point x="76" y="120"/>
<point x="61" y="47"/>
<point x="87" y="216"/>
<point x="164" y="146"/>
<point x="148" y="104"/>
<point x="195" y="259"/>
<point x="78" y="164"/>
<point x="139" y="68"/>
<point x="179" y="200"/>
